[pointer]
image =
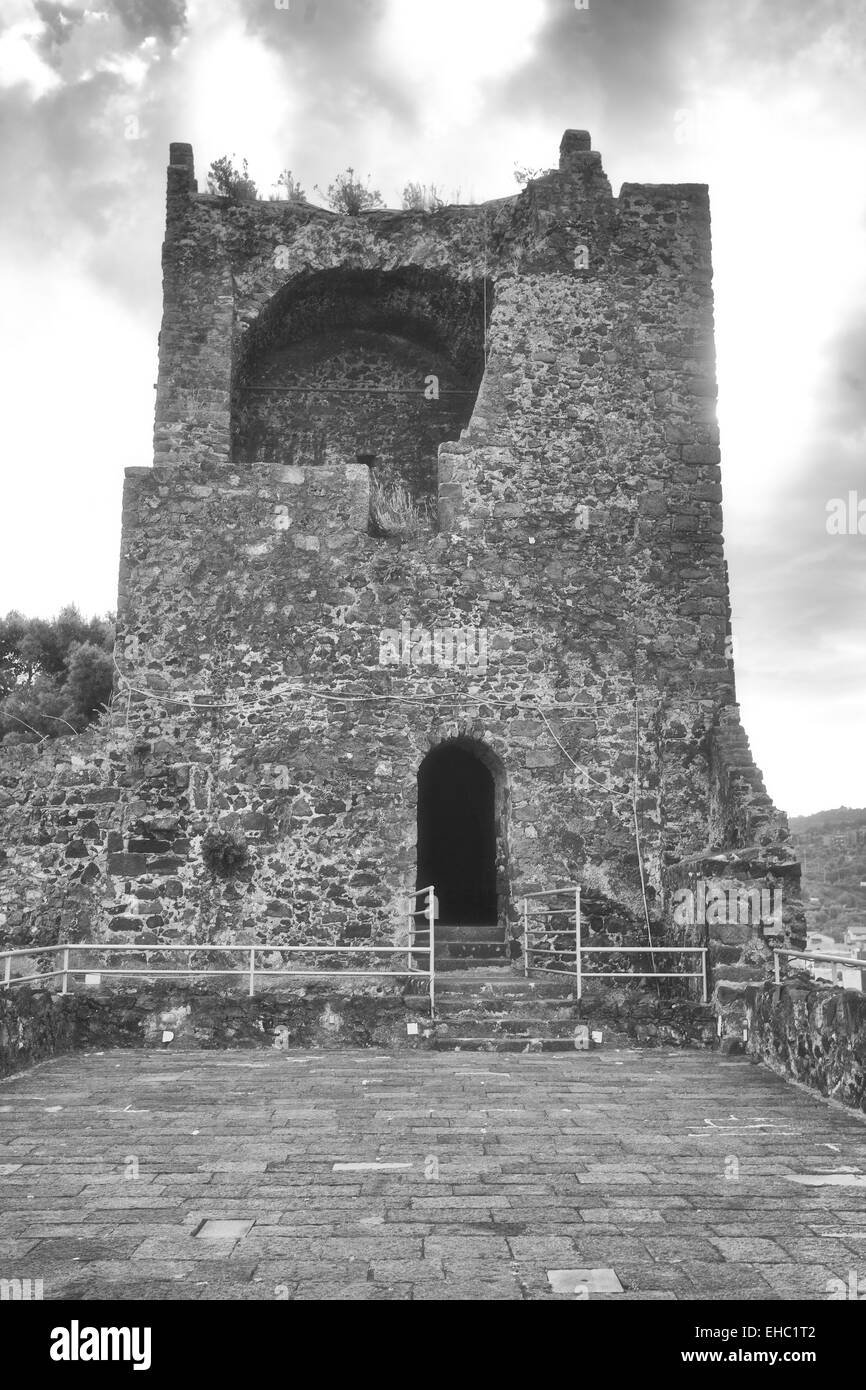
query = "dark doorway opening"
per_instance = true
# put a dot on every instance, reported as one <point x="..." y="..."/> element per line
<point x="457" y="835"/>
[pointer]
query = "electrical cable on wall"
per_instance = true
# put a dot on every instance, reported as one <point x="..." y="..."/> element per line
<point x="637" y="830"/>
<point x="484" y="290"/>
<point x="521" y="701"/>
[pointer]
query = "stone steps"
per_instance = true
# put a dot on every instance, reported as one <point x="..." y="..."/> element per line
<point x="471" y="932"/>
<point x="493" y="1043"/>
<point x="516" y="1006"/>
<point x="510" y="1025"/>
<point x="483" y="945"/>
<point x="467" y="954"/>
<point x="502" y="982"/>
<point x="520" y="1007"/>
<point x="488" y="1007"/>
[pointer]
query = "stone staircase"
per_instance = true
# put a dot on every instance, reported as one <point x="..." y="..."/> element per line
<point x="484" y="1003"/>
<point x="484" y="1008"/>
<point x="459" y="947"/>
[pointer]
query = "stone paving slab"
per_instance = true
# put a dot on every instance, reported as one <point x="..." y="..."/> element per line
<point x="671" y="1169"/>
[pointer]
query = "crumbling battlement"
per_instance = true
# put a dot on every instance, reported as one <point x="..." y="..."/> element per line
<point x="226" y="265"/>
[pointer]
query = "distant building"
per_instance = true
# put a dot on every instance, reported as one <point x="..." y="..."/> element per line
<point x="850" y="976"/>
<point x="820" y="941"/>
<point x="833" y="971"/>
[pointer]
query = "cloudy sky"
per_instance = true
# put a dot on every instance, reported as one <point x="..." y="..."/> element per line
<point x="764" y="100"/>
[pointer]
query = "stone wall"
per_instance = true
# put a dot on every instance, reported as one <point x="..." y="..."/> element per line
<point x="35" y="1024"/>
<point x="804" y="1029"/>
<point x="741" y="811"/>
<point x="648" y="1018"/>
<point x="62" y="806"/>
<point x="744" y="893"/>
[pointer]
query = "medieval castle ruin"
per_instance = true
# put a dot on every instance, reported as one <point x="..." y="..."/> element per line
<point x="304" y="730"/>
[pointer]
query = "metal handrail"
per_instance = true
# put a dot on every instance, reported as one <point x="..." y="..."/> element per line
<point x="546" y="912"/>
<point x="545" y="893"/>
<point x="813" y="955"/>
<point x="148" y="946"/>
<point x="429" y="911"/>
<point x="580" y="950"/>
<point x="640" y="950"/>
<point x="67" y="969"/>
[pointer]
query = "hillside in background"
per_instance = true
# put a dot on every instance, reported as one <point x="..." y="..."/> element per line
<point x="832" y="848"/>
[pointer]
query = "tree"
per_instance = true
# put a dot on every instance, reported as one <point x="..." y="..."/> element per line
<point x="350" y="196"/>
<point x="228" y="182"/>
<point x="12" y="630"/>
<point x="55" y="674"/>
<point x="37" y="710"/>
<point x="87" y="688"/>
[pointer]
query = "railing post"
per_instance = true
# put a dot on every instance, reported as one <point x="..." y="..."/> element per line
<point x="7" y="974"/>
<point x="252" y="971"/>
<point x="431" y="918"/>
<point x="777" y="967"/>
<point x="704" y="972"/>
<point x="413" y="908"/>
<point x="526" y="938"/>
<point x="577" y="937"/>
<point x="65" y="989"/>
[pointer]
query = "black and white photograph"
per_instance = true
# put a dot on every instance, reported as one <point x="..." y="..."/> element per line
<point x="432" y="671"/>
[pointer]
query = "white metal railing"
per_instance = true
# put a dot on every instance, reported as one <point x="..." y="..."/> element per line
<point x="249" y="971"/>
<point x="855" y="962"/>
<point x="530" y="949"/>
<point x="580" y="950"/>
<point x="429" y="911"/>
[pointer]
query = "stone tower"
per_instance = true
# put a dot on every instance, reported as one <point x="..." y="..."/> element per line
<point x="427" y="581"/>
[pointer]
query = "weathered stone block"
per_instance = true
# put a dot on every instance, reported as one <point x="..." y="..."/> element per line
<point x="127" y="865"/>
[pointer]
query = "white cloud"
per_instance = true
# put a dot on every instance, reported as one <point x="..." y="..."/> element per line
<point x="78" y="373"/>
<point x="238" y="96"/>
<point x="20" y="65"/>
<point x="445" y="52"/>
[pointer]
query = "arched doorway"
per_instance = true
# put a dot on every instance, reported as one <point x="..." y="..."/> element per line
<point x="457" y="835"/>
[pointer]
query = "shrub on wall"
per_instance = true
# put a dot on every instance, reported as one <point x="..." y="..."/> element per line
<point x="289" y="189"/>
<point x="228" y="182"/>
<point x="224" y="852"/>
<point x="350" y="196"/>
<point x="422" y="197"/>
<point x="394" y="512"/>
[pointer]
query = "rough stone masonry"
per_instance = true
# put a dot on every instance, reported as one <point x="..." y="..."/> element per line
<point x="538" y="372"/>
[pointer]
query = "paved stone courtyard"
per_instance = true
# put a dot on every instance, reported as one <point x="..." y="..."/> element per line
<point x="671" y="1169"/>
